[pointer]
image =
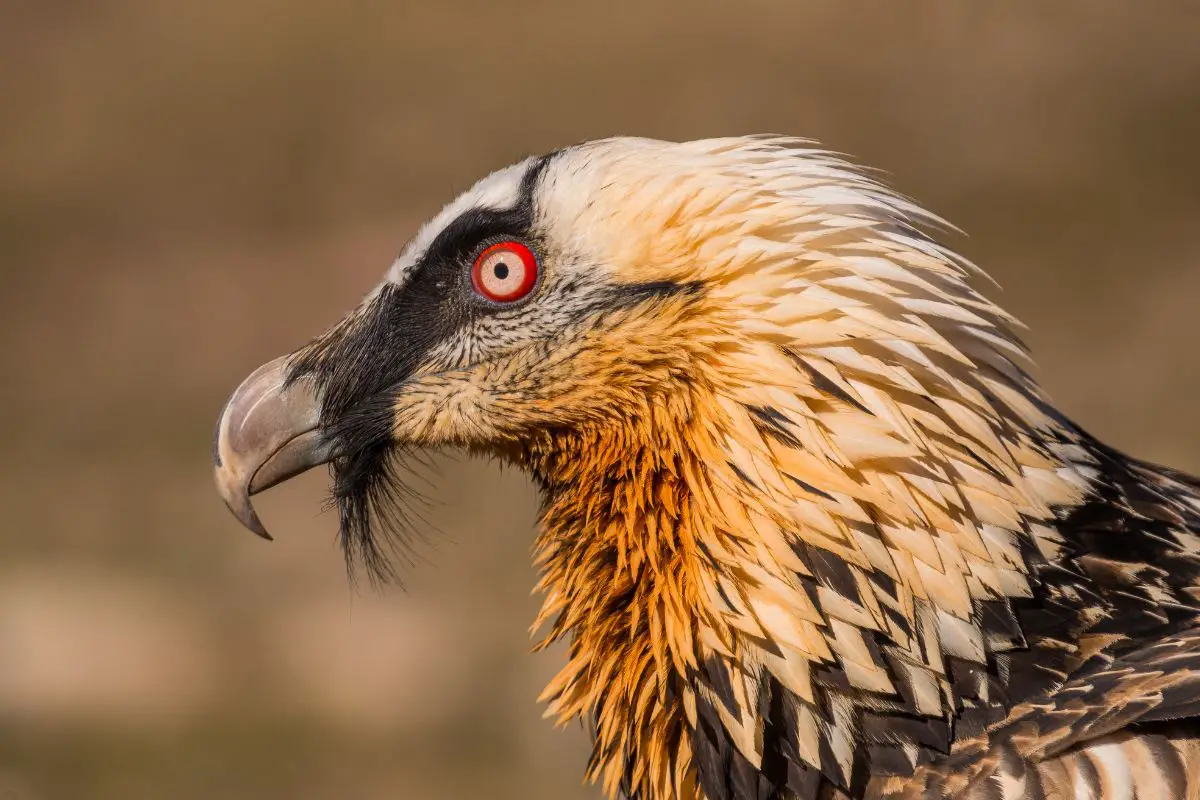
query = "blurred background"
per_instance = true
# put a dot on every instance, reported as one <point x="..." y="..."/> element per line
<point x="190" y="188"/>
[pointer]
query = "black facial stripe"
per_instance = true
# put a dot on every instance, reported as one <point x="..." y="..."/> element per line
<point x="632" y="294"/>
<point x="358" y="365"/>
<point x="380" y="346"/>
<point x="624" y="296"/>
<point x="460" y="239"/>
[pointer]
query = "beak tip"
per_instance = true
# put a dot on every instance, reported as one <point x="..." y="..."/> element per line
<point x="254" y="524"/>
<point x="245" y="514"/>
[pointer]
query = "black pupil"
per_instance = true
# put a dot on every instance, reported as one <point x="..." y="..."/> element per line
<point x="501" y="270"/>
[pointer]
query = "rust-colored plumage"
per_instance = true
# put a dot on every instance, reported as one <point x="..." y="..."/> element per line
<point x="810" y="527"/>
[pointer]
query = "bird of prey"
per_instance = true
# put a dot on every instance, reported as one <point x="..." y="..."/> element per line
<point x="810" y="527"/>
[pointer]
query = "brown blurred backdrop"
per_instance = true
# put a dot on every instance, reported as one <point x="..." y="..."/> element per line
<point x="190" y="188"/>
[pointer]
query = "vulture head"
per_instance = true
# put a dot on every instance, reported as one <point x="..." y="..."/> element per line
<point x="797" y="483"/>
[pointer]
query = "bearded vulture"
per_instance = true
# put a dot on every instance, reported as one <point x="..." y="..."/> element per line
<point x="810" y="527"/>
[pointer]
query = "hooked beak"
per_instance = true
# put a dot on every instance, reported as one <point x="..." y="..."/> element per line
<point x="268" y="432"/>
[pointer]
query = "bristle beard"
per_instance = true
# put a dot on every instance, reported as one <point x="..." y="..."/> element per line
<point x="356" y="367"/>
<point x="381" y="514"/>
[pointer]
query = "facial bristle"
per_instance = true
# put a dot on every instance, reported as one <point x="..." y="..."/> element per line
<point x="382" y="511"/>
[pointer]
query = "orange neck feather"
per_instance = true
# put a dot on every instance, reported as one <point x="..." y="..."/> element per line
<point x="620" y="558"/>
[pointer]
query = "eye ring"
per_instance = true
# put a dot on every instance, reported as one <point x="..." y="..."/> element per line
<point x="504" y="272"/>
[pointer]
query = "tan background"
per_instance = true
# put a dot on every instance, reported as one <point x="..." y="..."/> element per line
<point x="190" y="188"/>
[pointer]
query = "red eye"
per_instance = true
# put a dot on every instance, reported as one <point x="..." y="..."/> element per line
<point x="505" y="272"/>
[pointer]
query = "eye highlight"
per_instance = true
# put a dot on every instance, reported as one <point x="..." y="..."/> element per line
<point x="504" y="272"/>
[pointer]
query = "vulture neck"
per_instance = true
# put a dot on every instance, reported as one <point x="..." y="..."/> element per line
<point x="629" y="518"/>
<point x="706" y="555"/>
